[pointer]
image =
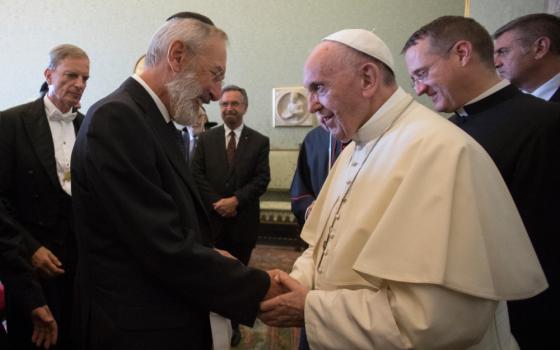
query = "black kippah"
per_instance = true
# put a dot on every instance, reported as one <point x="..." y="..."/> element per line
<point x="191" y="15"/>
<point x="44" y="88"/>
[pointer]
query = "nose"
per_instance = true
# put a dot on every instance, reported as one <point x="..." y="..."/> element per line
<point x="215" y="90"/>
<point x="313" y="104"/>
<point x="497" y="61"/>
<point x="80" y="83"/>
<point x="420" y="88"/>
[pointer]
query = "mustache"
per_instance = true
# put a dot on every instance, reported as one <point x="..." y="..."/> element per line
<point x="232" y="112"/>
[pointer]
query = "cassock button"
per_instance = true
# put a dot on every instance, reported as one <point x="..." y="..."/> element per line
<point x="331" y="236"/>
<point x="354" y="163"/>
<point x="326" y="253"/>
<point x="337" y="216"/>
<point x="348" y="182"/>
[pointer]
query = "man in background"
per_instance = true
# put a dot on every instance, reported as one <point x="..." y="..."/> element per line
<point x="16" y="272"/>
<point x="451" y="61"/>
<point x="414" y="241"/>
<point x="190" y="133"/>
<point x="149" y="277"/>
<point x="36" y="141"/>
<point x="231" y="168"/>
<point x="317" y="155"/>
<point x="527" y="53"/>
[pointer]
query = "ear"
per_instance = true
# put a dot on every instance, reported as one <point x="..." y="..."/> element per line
<point x="176" y="55"/>
<point x="541" y="46"/>
<point x="371" y="77"/>
<point x="463" y="50"/>
<point x="48" y="75"/>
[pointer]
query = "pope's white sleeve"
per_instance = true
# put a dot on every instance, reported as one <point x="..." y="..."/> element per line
<point x="303" y="268"/>
<point x="398" y="316"/>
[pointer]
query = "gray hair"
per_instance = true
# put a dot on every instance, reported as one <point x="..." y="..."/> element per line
<point x="61" y="52"/>
<point x="239" y="89"/>
<point x="534" y="26"/>
<point x="191" y="32"/>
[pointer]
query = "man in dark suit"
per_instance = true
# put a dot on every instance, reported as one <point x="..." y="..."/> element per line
<point x="317" y="155"/>
<point x="232" y="171"/>
<point x="451" y="61"/>
<point x="36" y="141"/>
<point x="527" y="53"/>
<point x="147" y="275"/>
<point x="16" y="271"/>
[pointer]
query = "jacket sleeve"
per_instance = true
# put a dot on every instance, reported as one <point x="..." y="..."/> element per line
<point x="7" y="172"/>
<point x="397" y="316"/>
<point x="15" y="271"/>
<point x="301" y="192"/>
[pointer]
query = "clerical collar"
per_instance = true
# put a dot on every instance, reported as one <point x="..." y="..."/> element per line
<point x="155" y="97"/>
<point x="382" y="119"/>
<point x="546" y="90"/>
<point x="463" y="111"/>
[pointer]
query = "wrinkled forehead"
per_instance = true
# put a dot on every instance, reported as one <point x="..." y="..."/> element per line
<point x="75" y="64"/>
<point x="322" y="61"/>
<point x="232" y="95"/>
<point x="507" y="38"/>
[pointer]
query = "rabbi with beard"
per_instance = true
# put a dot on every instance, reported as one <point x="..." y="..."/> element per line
<point x="148" y="276"/>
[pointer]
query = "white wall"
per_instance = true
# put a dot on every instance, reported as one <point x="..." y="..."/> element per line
<point x="269" y="41"/>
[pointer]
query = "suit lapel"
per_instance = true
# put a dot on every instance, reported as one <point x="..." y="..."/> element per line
<point x="78" y="122"/>
<point x="556" y="96"/>
<point x="220" y="142"/>
<point x="243" y="141"/>
<point x="39" y="132"/>
<point x="165" y="134"/>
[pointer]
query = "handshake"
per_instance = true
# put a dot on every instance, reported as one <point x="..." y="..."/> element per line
<point x="284" y="303"/>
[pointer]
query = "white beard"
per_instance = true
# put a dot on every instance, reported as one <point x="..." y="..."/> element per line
<point x="183" y="95"/>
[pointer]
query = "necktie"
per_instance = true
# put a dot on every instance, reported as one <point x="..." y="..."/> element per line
<point x="230" y="151"/>
<point x="178" y="137"/>
<point x="187" y="144"/>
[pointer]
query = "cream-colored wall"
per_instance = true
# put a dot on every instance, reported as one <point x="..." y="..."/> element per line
<point x="492" y="14"/>
<point x="269" y="41"/>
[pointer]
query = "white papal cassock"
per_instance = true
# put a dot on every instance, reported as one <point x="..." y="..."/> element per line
<point x="414" y="240"/>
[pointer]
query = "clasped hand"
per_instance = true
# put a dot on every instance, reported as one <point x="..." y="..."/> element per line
<point x="226" y="207"/>
<point x="46" y="263"/>
<point x="284" y="304"/>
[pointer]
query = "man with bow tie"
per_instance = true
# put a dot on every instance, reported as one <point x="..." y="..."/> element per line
<point x="36" y="141"/>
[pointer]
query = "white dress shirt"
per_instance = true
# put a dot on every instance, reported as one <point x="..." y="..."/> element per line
<point x="64" y="137"/>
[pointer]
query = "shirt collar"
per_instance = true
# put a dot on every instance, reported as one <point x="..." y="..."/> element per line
<point x="237" y="130"/>
<point x="155" y="97"/>
<point x="51" y="109"/>
<point x="384" y="117"/>
<point x="183" y="127"/>
<point x="546" y="90"/>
